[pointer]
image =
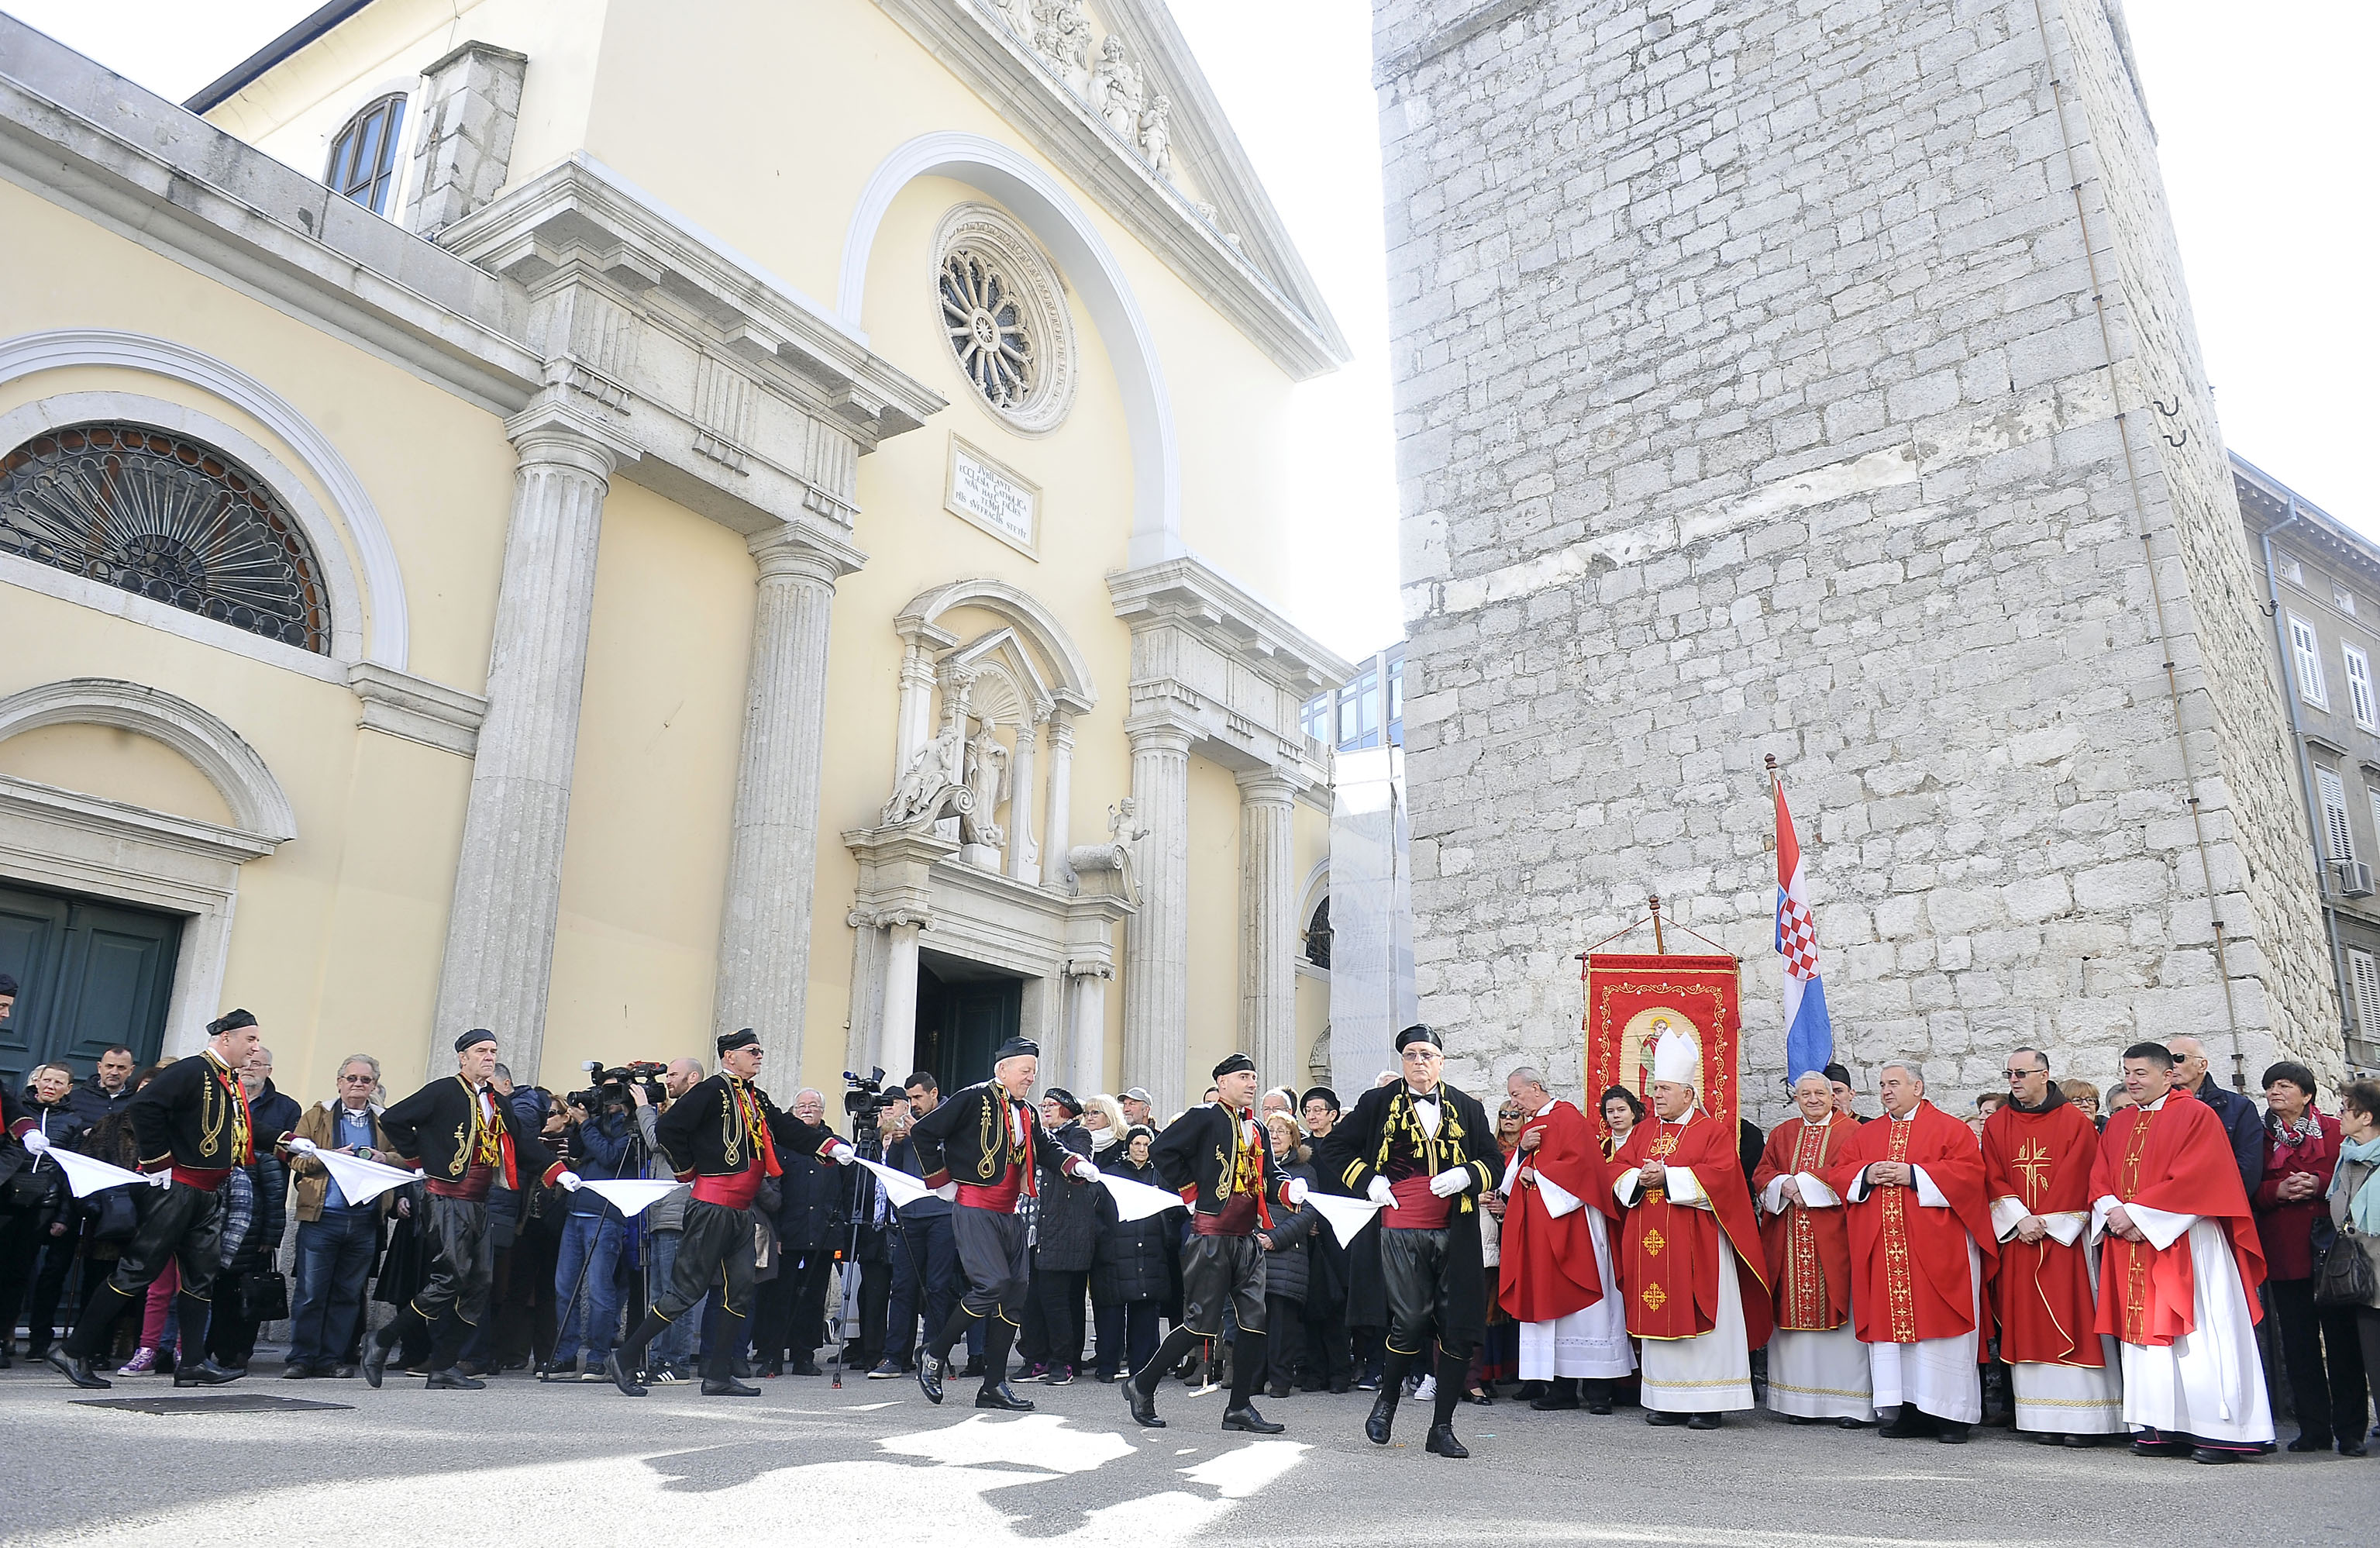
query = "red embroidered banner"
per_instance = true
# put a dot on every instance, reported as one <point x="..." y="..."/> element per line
<point x="1632" y="999"/>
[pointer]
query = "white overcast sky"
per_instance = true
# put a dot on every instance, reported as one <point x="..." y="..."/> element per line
<point x="2268" y="158"/>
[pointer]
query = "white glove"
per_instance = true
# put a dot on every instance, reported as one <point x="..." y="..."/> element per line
<point x="1451" y="1181"/>
<point x="36" y="1141"/>
<point x="1080" y="1169"/>
<point x="161" y="1180"/>
<point x="296" y="1146"/>
<point x="569" y="1181"/>
<point x="947" y="1191"/>
<point x="1295" y="1194"/>
<point x="1382" y="1193"/>
<point x="841" y="1153"/>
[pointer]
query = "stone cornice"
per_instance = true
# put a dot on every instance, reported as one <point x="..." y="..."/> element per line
<point x="122" y="821"/>
<point x="416" y="708"/>
<point x="1287" y="319"/>
<point x="1188" y="592"/>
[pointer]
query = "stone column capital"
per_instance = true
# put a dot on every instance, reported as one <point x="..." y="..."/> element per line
<point x="552" y="432"/>
<point x="1155" y="734"/>
<point x="1269" y="786"/>
<point x="797" y="551"/>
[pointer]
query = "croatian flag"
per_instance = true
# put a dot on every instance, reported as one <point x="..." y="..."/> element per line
<point x="1809" y="1036"/>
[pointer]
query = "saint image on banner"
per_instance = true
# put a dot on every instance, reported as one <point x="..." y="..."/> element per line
<point x="1633" y="998"/>
<point x="1639" y="1038"/>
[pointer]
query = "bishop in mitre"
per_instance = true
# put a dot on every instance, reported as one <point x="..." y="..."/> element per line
<point x="1691" y="1257"/>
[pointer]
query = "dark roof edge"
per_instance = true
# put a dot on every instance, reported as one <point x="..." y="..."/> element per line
<point x="232" y="81"/>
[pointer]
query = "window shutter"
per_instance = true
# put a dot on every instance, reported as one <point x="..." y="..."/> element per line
<point x="2359" y="689"/>
<point x="2365" y="971"/>
<point x="2308" y="650"/>
<point x="2335" y="832"/>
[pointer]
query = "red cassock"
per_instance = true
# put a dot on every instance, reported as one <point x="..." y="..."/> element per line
<point x="1911" y="1278"/>
<point x="1668" y="1253"/>
<point x="2176" y="1159"/>
<point x="2041" y="1291"/>
<point x="1809" y="1250"/>
<point x="1547" y="1269"/>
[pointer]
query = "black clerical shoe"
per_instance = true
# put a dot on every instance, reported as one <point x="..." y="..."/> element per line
<point x="206" y="1374"/>
<point x="1142" y="1404"/>
<point x="1003" y="1398"/>
<point x="76" y="1368"/>
<point x="2304" y="1444"/>
<point x="1559" y="1396"/>
<point x="1911" y="1423"/>
<point x="1384" y="1415"/>
<point x="2352" y="1448"/>
<point x="2212" y="1456"/>
<point x="1663" y="1419"/>
<point x="1704" y="1421"/>
<point x="375" y="1362"/>
<point x="1441" y="1443"/>
<point x="2079" y="1443"/>
<point x="451" y="1380"/>
<point x="622" y="1377"/>
<point x="727" y="1386"/>
<point x="1950" y="1432"/>
<point x="930" y="1375"/>
<point x="2161" y="1448"/>
<point x="1246" y="1418"/>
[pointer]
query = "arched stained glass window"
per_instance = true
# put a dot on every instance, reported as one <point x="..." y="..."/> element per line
<point x="363" y="158"/>
<point x="167" y="519"/>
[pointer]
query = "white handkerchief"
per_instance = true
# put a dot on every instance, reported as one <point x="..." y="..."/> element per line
<point x="1345" y="1216"/>
<point x="87" y="1176"/>
<point x="1139" y="1201"/>
<point x="631" y="1195"/>
<point x="899" y="1186"/>
<point x="362" y="1181"/>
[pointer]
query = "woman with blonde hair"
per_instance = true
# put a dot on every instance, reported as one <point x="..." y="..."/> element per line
<point x="1288" y="1268"/>
<point x="1103" y="1117"/>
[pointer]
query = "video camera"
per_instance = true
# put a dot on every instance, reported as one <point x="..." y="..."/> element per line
<point x="864" y="1096"/>
<point x="610" y="1087"/>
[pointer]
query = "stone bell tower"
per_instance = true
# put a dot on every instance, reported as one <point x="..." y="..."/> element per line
<point x="1817" y="378"/>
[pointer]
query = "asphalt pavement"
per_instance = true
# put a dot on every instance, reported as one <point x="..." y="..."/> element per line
<point x="582" y="1466"/>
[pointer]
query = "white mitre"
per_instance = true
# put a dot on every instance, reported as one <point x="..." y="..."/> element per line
<point x="1676" y="1057"/>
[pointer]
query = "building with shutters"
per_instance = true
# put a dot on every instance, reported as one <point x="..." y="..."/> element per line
<point x="514" y="514"/>
<point x="2321" y="584"/>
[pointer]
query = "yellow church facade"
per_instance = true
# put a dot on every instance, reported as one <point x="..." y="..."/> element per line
<point x="615" y="521"/>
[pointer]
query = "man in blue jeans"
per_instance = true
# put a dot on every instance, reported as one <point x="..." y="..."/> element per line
<point x="586" y="1267"/>
<point x="672" y="1356"/>
<point x="923" y="1249"/>
<point x="336" y="1240"/>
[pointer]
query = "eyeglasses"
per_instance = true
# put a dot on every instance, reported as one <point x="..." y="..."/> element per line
<point x="359" y="1080"/>
<point x="2021" y="1074"/>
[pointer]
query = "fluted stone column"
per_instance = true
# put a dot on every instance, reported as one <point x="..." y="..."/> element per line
<point x="1269" y="926"/>
<point x="1056" y="831"/>
<point x="764" y="933"/>
<point x="1023" y="861"/>
<point x="508" y="882"/>
<point x="1157" y="941"/>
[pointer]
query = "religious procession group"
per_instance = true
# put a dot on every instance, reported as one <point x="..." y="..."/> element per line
<point x="1873" y="1260"/>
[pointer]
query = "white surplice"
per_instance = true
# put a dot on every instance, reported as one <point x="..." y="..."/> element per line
<point x="1815" y="1375"/>
<point x="1710" y="1373"/>
<point x="1939" y="1375"/>
<point x="2209" y="1384"/>
<point x="2065" y="1399"/>
<point x="1592" y="1341"/>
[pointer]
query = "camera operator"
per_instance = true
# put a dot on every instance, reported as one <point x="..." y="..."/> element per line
<point x="600" y="1136"/>
<point x="877" y="1117"/>
<point x="925" y="1274"/>
<point x="674" y="1353"/>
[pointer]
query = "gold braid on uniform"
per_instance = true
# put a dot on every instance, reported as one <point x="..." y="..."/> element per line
<point x="1401" y="1122"/>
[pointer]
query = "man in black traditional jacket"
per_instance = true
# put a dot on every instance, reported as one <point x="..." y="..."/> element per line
<point x="723" y="1136"/>
<point x="194" y="1127"/>
<point x="466" y="1141"/>
<point x="1216" y="1158"/>
<point x="985" y="1148"/>
<point x="1427" y="1152"/>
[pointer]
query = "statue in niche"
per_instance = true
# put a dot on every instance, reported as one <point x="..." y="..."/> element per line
<point x="1116" y="88"/>
<point x="987" y="770"/>
<point x="1156" y="136"/>
<point x="1061" y="34"/>
<point x="928" y="789"/>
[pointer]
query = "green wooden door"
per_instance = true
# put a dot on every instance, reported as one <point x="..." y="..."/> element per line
<point x="89" y="975"/>
<point x="961" y="1023"/>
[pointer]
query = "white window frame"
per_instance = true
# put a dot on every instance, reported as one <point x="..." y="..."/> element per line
<point x="2345" y="599"/>
<point x="2290" y="570"/>
<point x="2339" y="834"/>
<point x="2360" y="699"/>
<point x="2364" y="977"/>
<point x="2305" y="646"/>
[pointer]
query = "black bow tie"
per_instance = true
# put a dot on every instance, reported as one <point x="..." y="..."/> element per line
<point x="1420" y="1096"/>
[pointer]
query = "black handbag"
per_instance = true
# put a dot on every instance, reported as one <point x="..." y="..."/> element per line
<point x="264" y="1296"/>
<point x="2342" y="1269"/>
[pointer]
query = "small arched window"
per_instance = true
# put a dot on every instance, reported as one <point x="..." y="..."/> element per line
<point x="363" y="158"/>
<point x="1317" y="935"/>
<point x="168" y="518"/>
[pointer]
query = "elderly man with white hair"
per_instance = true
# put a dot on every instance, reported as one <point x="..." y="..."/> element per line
<point x="1818" y="1371"/>
<point x="336" y="1240"/>
<point x="1920" y="1232"/>
<point x="1556" y="1279"/>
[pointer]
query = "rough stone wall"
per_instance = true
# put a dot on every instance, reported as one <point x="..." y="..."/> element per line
<point x="1755" y="397"/>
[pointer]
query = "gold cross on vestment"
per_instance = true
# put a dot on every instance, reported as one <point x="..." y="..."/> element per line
<point x="2034" y="1160"/>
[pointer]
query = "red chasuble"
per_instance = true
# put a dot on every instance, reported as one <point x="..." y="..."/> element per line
<point x="2176" y="1159"/>
<point x="1809" y="1250"/>
<point x="1547" y="1269"/>
<point x="2041" y="1291"/>
<point x="1668" y="1253"/>
<point x="1912" y="1282"/>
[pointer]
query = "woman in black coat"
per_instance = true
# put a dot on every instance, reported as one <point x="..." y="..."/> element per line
<point x="1287" y="1264"/>
<point x="1064" y="1233"/>
<point x="1132" y="1266"/>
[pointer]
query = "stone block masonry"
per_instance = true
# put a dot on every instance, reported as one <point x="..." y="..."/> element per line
<point x="1805" y="377"/>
